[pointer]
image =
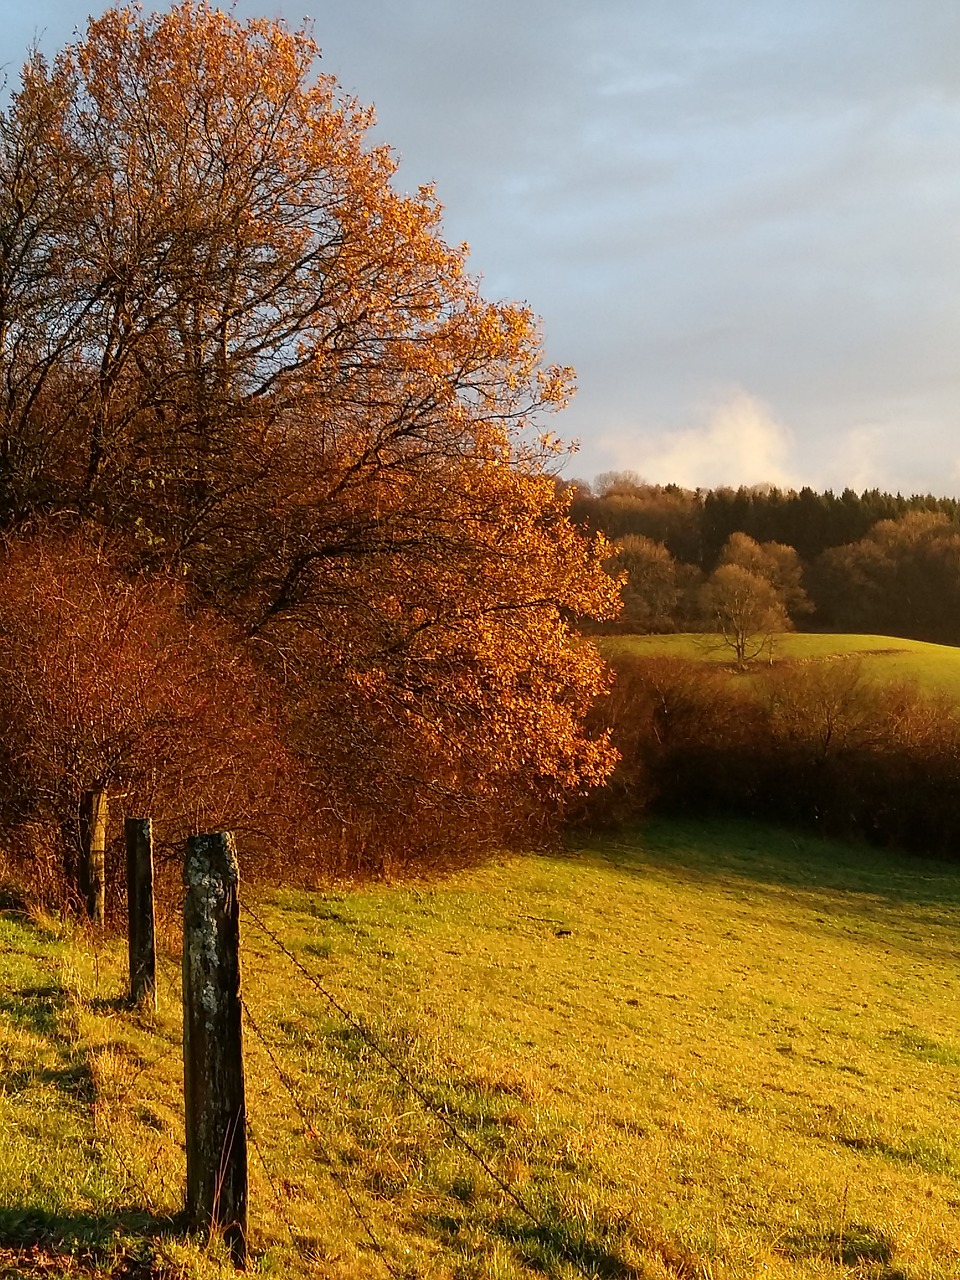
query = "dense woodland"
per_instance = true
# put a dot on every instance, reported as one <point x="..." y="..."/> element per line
<point x="874" y="563"/>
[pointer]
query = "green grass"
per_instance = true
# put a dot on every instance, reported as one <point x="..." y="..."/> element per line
<point x="69" y="1205"/>
<point x="936" y="667"/>
<point x="702" y="1051"/>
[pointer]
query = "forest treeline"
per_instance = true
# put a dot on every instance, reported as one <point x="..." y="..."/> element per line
<point x="872" y="562"/>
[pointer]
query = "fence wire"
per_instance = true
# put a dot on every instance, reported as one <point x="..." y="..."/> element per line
<point x="254" y="1142"/>
<point x="436" y="1110"/>
<point x="308" y="1127"/>
<point x="424" y="1098"/>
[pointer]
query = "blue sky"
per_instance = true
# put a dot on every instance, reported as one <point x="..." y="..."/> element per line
<point x="739" y="219"/>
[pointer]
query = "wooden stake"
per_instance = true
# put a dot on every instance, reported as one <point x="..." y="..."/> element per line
<point x="93" y="842"/>
<point x="212" y="1043"/>
<point x="141" y="922"/>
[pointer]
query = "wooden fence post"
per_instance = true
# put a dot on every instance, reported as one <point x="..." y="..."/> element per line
<point x="93" y="842"/>
<point x="212" y="1043"/>
<point x="141" y="921"/>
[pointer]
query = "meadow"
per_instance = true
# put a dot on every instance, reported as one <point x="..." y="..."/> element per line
<point x="935" y="667"/>
<point x="694" y="1051"/>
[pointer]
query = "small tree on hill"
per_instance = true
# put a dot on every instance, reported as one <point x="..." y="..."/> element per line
<point x="745" y="610"/>
<point x="776" y="562"/>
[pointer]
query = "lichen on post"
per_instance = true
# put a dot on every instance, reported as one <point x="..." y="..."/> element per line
<point x="212" y="1043"/>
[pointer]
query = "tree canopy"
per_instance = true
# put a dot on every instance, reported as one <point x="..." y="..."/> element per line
<point x="230" y="341"/>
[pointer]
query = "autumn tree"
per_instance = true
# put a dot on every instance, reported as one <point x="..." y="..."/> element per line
<point x="659" y="593"/>
<point x="777" y="563"/>
<point x="903" y="578"/>
<point x="744" y="610"/>
<point x="650" y="592"/>
<point x="228" y="338"/>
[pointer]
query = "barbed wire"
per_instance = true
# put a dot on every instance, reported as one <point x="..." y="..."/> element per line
<point x="251" y="1134"/>
<point x="307" y="1123"/>
<point x="429" y="1104"/>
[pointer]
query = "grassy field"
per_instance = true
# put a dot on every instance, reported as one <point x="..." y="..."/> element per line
<point x="934" y="666"/>
<point x="700" y="1052"/>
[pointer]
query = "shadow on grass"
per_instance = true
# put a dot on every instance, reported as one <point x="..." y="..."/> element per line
<point x="121" y="1246"/>
<point x="13" y="901"/>
<point x="36" y="1009"/>
<point x="920" y="1155"/>
<point x="545" y="1247"/>
<point x="550" y="1244"/>
<point x="729" y="850"/>
<point x="124" y="1003"/>
<point x="890" y="901"/>
<point x="856" y="1246"/>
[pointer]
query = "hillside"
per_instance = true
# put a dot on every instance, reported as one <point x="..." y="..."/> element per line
<point x="703" y="1051"/>
<point x="935" y="667"/>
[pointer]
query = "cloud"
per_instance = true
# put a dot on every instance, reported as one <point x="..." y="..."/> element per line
<point x="862" y="459"/>
<point x="742" y="442"/>
<point x="693" y="196"/>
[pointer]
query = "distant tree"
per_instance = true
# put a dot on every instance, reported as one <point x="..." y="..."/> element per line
<point x="776" y="562"/>
<point x="608" y="483"/>
<point x="660" y="593"/>
<point x="650" y="592"/>
<point x="745" y="611"/>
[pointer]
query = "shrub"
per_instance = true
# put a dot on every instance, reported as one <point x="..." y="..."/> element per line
<point x="819" y="744"/>
<point x="109" y="682"/>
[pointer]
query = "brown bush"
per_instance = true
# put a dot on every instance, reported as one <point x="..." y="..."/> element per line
<point x="685" y="734"/>
<point x="113" y="681"/>
<point x="108" y="681"/>
<point x="818" y="744"/>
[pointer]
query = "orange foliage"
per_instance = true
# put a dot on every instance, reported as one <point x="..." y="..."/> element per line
<point x="107" y="683"/>
<point x="260" y="365"/>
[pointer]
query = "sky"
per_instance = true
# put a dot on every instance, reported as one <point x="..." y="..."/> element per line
<point x="739" y="220"/>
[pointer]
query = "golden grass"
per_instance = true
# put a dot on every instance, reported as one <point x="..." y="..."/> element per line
<point x="706" y="1051"/>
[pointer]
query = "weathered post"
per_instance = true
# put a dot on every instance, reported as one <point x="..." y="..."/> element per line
<point x="212" y="1043"/>
<point x="93" y="843"/>
<point x="141" y="921"/>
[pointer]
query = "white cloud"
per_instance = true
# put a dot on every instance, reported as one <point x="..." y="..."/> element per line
<point x="742" y="442"/>
<point x="861" y="460"/>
